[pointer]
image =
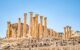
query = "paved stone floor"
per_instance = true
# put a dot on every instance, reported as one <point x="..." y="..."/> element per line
<point x="27" y="44"/>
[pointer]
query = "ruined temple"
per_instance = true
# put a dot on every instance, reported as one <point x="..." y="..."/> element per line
<point x="37" y="36"/>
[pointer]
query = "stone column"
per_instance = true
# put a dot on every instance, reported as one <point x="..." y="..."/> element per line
<point x="36" y="26"/>
<point x="65" y="33"/>
<point x="70" y="32"/>
<point x="33" y="27"/>
<point x="45" y="27"/>
<point x="19" y="28"/>
<point x="9" y="34"/>
<point x="30" y="26"/>
<point x="25" y="26"/>
<point x="40" y="28"/>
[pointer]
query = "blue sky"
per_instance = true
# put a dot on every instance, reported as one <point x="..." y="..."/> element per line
<point x="59" y="13"/>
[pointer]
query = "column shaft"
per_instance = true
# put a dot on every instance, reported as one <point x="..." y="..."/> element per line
<point x="64" y="33"/>
<point x="30" y="26"/>
<point x="40" y="28"/>
<point x="33" y="27"/>
<point x="9" y="30"/>
<point x="19" y="28"/>
<point x="70" y="32"/>
<point x="25" y="26"/>
<point x="45" y="27"/>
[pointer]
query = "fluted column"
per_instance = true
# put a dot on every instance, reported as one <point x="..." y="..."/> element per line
<point x="45" y="27"/>
<point x="19" y="28"/>
<point x="25" y="26"/>
<point x="40" y="28"/>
